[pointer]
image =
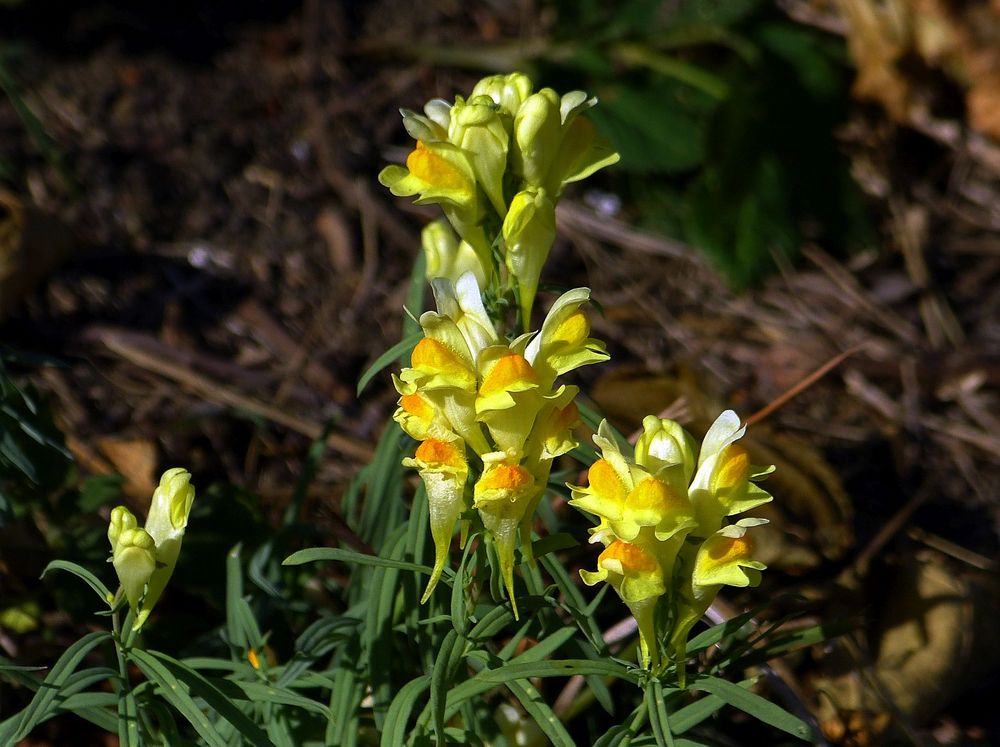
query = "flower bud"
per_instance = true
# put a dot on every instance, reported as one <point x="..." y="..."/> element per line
<point x="528" y="232"/>
<point x="447" y="256"/>
<point x="134" y="559"/>
<point x="509" y="91"/>
<point x="664" y="443"/>
<point x="121" y="520"/>
<point x="478" y="129"/>
<point x="537" y="134"/>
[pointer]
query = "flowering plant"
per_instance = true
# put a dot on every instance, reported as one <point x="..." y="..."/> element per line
<point x="487" y="418"/>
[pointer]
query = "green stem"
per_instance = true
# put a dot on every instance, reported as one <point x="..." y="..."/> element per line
<point x="128" y="712"/>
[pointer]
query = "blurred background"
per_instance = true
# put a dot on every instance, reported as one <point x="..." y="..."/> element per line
<point x="197" y="263"/>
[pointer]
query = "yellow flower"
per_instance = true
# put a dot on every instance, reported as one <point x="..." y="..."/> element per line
<point x="432" y="125"/>
<point x="638" y="579"/>
<point x="581" y="152"/>
<point x="564" y="344"/>
<point x="144" y="558"/>
<point x="421" y="418"/>
<point x="133" y="553"/>
<point x="723" y="559"/>
<point x="554" y="425"/>
<point x="442" y="368"/>
<point x="440" y="172"/>
<point x="502" y="496"/>
<point x="726" y="558"/>
<point x="554" y="145"/>
<point x="722" y="485"/>
<point x="462" y="302"/>
<point x="634" y="506"/>
<point x="444" y="470"/>
<point x="508" y="398"/>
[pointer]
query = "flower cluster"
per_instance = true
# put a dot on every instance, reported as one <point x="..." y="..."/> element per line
<point x="144" y="557"/>
<point x="469" y="393"/>
<point x="497" y="163"/>
<point x="667" y="547"/>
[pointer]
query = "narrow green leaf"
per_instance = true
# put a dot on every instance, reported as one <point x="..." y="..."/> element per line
<point x="415" y="296"/>
<point x="175" y="693"/>
<point x="42" y="702"/>
<point x="399" y="350"/>
<point x="394" y="728"/>
<point x="346" y="698"/>
<point x="693" y="714"/>
<point x="556" y="668"/>
<point x="492" y="623"/>
<point x="88" y="700"/>
<point x="128" y="720"/>
<point x="659" y="721"/>
<point x="758" y="707"/>
<point x="381" y="511"/>
<point x="176" y="681"/>
<point x="258" y="692"/>
<point x="548" y="645"/>
<point x="314" y="554"/>
<point x="539" y="710"/>
<point x="458" y="608"/>
<point x="575" y="603"/>
<point x="624" y="732"/>
<point x="445" y="665"/>
<point x="82" y="573"/>
<point x="716" y="633"/>
<point x="315" y="641"/>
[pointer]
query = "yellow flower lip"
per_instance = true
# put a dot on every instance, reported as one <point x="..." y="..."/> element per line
<point x="417" y="406"/>
<point x="730" y="549"/>
<point x="508" y="371"/>
<point x="565" y="417"/>
<point x="653" y="494"/>
<point x="435" y="451"/>
<point x="429" y="167"/>
<point x="629" y="558"/>
<point x="605" y="482"/>
<point x="734" y="467"/>
<point x="506" y="477"/>
<point x="435" y="356"/>
<point x="573" y="329"/>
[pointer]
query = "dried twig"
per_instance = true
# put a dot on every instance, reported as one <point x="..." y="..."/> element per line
<point x="137" y="350"/>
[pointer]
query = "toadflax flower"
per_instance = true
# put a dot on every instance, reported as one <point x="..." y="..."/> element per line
<point x="144" y="557"/>
<point x="468" y="392"/>
<point x="497" y="162"/>
<point x="663" y="510"/>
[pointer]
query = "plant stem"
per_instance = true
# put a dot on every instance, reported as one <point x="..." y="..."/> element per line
<point x="128" y="712"/>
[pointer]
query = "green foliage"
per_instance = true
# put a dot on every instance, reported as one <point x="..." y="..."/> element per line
<point x="724" y="113"/>
<point x="34" y="460"/>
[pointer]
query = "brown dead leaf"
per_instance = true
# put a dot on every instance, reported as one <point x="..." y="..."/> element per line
<point x="135" y="460"/>
<point x="340" y="248"/>
<point x="961" y="39"/>
<point x="32" y="244"/>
